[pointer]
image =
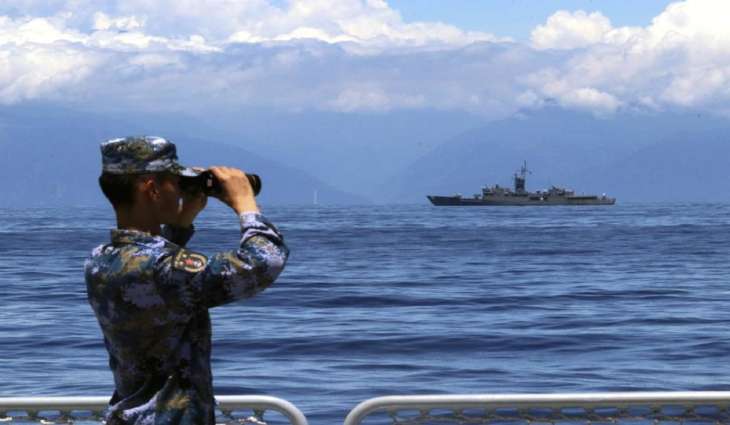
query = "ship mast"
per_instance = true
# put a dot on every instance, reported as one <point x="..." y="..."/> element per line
<point x="520" y="178"/>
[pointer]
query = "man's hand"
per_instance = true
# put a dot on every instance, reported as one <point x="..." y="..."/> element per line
<point x="192" y="204"/>
<point x="236" y="190"/>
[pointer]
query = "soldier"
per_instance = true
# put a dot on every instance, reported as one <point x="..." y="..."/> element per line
<point x="151" y="295"/>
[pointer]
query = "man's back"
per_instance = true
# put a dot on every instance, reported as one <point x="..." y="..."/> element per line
<point x="152" y="342"/>
<point x="153" y="310"/>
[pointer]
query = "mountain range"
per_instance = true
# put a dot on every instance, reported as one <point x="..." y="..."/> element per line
<point x="634" y="157"/>
<point x="50" y="155"/>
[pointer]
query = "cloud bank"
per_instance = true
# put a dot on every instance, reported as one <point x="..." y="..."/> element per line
<point x="353" y="55"/>
<point x="681" y="59"/>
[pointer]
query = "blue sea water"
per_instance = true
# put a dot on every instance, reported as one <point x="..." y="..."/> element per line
<point x="380" y="300"/>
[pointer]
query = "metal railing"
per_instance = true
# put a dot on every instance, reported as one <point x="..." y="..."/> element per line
<point x="679" y="407"/>
<point x="71" y="409"/>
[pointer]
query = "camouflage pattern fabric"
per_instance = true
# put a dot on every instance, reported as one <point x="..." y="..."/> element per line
<point x="141" y="154"/>
<point x="151" y="297"/>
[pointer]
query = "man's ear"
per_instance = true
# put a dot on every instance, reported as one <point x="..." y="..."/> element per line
<point x="148" y="186"/>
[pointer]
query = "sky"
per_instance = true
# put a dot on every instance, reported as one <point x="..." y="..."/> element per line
<point x="492" y="58"/>
<point x="517" y="18"/>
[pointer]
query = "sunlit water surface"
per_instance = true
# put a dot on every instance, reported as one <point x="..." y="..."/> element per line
<point x="408" y="300"/>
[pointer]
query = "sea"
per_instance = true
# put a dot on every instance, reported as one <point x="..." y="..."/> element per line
<point x="407" y="299"/>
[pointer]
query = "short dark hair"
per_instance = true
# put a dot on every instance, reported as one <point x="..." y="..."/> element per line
<point x="119" y="188"/>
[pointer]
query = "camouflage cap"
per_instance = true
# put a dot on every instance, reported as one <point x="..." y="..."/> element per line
<point x="140" y="155"/>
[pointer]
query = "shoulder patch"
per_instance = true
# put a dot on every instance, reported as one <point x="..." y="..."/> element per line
<point x="189" y="261"/>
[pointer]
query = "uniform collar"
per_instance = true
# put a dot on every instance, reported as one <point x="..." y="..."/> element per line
<point x="127" y="236"/>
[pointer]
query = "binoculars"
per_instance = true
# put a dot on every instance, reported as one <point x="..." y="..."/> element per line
<point x="207" y="183"/>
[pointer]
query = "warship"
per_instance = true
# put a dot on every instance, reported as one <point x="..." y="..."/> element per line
<point x="498" y="196"/>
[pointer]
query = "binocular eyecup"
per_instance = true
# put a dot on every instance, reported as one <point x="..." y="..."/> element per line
<point x="207" y="183"/>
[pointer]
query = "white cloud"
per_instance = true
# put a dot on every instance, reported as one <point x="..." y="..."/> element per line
<point x="136" y="49"/>
<point x="692" y="21"/>
<point x="681" y="59"/>
<point x="36" y="58"/>
<point x="312" y="33"/>
<point x="29" y="73"/>
<point x="35" y="31"/>
<point x="353" y="99"/>
<point x="102" y="22"/>
<point x="374" y="98"/>
<point x="699" y="85"/>
<point x="566" y="30"/>
<point x="355" y="55"/>
<point x="362" y="21"/>
<point x="153" y="60"/>
<point x="592" y="99"/>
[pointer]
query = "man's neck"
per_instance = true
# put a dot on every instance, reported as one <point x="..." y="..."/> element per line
<point x="137" y="219"/>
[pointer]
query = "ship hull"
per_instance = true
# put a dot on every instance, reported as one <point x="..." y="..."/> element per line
<point x="519" y="201"/>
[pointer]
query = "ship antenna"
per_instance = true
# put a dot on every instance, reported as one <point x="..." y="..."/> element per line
<point x="524" y="171"/>
<point x="520" y="179"/>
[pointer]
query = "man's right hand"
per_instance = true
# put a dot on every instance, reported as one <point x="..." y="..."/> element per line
<point x="236" y="190"/>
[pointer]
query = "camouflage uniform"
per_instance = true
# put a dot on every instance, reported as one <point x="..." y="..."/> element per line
<point x="151" y="297"/>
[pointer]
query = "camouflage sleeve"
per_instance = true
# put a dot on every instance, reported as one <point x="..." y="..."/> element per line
<point x="176" y="234"/>
<point x="199" y="282"/>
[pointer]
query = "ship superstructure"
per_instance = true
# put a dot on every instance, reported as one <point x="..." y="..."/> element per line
<point x="498" y="195"/>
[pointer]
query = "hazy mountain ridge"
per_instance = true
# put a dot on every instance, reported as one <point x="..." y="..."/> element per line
<point x="688" y="166"/>
<point x="355" y="152"/>
<point x="50" y="157"/>
<point x="636" y="157"/>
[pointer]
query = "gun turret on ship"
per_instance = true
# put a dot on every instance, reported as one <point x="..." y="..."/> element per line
<point x="497" y="195"/>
